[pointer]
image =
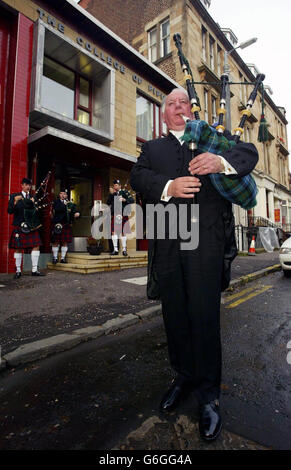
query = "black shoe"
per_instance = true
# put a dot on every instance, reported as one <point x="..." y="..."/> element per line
<point x="37" y="273"/>
<point x="114" y="253"/>
<point x="17" y="275"/>
<point x="64" y="261"/>
<point x="209" y="421"/>
<point x="54" y="261"/>
<point x="124" y="253"/>
<point x="172" y="397"/>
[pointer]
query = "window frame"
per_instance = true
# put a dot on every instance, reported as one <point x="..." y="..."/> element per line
<point x="159" y="40"/>
<point x="162" y="54"/>
<point x="77" y="104"/>
<point x="156" y="105"/>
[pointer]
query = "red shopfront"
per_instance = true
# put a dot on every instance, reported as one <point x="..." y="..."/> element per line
<point x="16" y="39"/>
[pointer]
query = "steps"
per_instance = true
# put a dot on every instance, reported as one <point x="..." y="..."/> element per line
<point x="84" y="263"/>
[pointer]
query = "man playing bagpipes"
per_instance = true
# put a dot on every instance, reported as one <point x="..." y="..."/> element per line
<point x="64" y="213"/>
<point x="26" y="222"/>
<point x="117" y="200"/>
<point x="189" y="281"/>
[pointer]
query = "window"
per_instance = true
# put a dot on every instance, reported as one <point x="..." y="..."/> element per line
<point x="219" y="53"/>
<point x="148" y="119"/>
<point x="165" y="38"/>
<point x="152" y="39"/>
<point x="213" y="109"/>
<point x="159" y="41"/>
<point x="66" y="92"/>
<point x="58" y="88"/>
<point x="205" y="105"/>
<point x="211" y="52"/>
<point x="203" y="43"/>
<point x="242" y="89"/>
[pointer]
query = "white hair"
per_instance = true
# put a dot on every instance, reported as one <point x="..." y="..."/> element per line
<point x="174" y="89"/>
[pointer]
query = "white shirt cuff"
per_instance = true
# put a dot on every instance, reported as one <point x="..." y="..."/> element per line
<point x="228" y="169"/>
<point x="164" y="196"/>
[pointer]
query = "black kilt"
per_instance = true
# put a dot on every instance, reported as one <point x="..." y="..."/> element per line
<point x="118" y="228"/>
<point x="20" y="240"/>
<point x="65" y="236"/>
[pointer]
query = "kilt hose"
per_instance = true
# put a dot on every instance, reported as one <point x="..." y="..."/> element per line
<point x="65" y="236"/>
<point x="20" y="240"/>
<point x="120" y="228"/>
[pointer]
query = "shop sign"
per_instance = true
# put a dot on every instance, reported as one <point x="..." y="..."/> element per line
<point x="93" y="50"/>
<point x="277" y="215"/>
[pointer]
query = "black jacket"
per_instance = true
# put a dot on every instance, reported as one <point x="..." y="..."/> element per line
<point x="63" y="214"/>
<point x="163" y="159"/>
<point x="122" y="193"/>
<point x="17" y="210"/>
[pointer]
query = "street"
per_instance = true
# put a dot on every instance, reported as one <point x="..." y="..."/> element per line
<point x="100" y="394"/>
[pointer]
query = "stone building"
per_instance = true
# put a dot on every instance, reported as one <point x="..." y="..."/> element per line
<point x="76" y="100"/>
<point x="149" y="26"/>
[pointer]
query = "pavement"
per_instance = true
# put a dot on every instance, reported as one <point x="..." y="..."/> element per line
<point x="44" y="316"/>
<point x="47" y="315"/>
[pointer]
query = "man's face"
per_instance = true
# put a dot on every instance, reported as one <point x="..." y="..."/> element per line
<point x="26" y="187"/>
<point x="63" y="195"/>
<point x="177" y="103"/>
<point x="116" y="187"/>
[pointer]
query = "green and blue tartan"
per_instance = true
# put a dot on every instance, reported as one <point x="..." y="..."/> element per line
<point x="241" y="190"/>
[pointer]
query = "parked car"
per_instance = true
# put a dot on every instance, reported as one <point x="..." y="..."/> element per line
<point x="285" y="256"/>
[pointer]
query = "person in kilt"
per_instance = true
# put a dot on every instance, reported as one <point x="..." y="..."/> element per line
<point x="25" y="235"/>
<point x="64" y="214"/>
<point x="119" y="222"/>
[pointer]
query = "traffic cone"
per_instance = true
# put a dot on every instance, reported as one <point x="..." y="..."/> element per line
<point x="252" y="250"/>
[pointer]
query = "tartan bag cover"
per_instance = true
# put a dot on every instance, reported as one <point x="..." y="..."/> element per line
<point x="240" y="190"/>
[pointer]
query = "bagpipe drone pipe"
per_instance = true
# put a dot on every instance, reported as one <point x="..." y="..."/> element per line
<point x="240" y="190"/>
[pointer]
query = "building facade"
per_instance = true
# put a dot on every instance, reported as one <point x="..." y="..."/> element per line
<point x="204" y="45"/>
<point x="76" y="101"/>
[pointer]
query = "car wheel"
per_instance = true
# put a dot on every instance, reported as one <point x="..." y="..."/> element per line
<point x="286" y="272"/>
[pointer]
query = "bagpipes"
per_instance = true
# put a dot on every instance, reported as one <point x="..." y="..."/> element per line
<point x="236" y="189"/>
<point x="33" y="206"/>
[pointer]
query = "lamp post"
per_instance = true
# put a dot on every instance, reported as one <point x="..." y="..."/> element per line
<point x="226" y="71"/>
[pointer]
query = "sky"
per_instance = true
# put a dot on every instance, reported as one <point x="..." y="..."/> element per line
<point x="270" y="22"/>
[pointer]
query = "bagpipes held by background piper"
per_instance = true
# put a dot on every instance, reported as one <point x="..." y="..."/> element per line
<point x="199" y="134"/>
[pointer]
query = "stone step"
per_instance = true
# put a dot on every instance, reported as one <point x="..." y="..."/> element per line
<point x="88" y="268"/>
<point x="93" y="260"/>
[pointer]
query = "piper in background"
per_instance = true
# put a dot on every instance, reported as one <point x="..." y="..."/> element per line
<point x="119" y="227"/>
<point x="64" y="214"/>
<point x="26" y="223"/>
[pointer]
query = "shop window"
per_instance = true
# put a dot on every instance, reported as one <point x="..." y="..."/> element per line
<point x="148" y="119"/>
<point x="72" y="89"/>
<point x="58" y="88"/>
<point x="66" y="92"/>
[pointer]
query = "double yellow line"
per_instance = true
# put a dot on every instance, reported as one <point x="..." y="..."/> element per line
<point x="250" y="291"/>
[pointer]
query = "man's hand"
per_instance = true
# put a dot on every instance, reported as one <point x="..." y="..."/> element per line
<point x="206" y="163"/>
<point x="17" y="198"/>
<point x="184" y="187"/>
<point x="76" y="215"/>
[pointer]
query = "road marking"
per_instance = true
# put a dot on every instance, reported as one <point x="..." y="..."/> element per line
<point x="140" y="281"/>
<point x="248" y="297"/>
<point x="238" y="294"/>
